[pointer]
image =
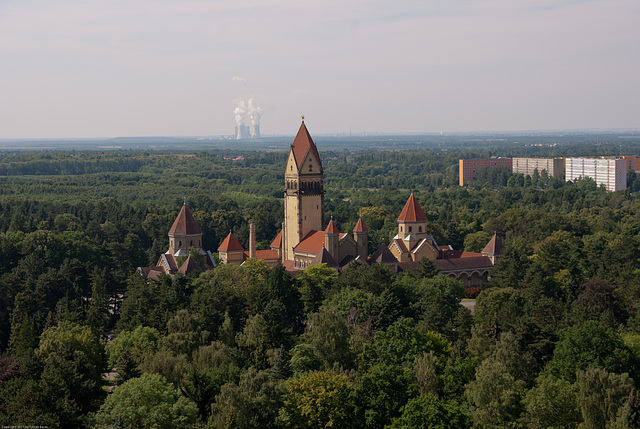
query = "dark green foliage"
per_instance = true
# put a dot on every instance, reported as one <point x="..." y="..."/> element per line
<point x="590" y="344"/>
<point x="429" y="412"/>
<point x="380" y="393"/>
<point x="563" y="294"/>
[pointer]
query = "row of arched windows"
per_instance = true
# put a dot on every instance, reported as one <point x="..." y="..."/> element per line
<point x="292" y="184"/>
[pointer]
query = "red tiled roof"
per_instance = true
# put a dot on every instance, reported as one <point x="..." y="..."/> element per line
<point x="185" y="223"/>
<point x="494" y="246"/>
<point x="170" y="261"/>
<point x="312" y="242"/>
<point x="360" y="226"/>
<point x="331" y="228"/>
<point x="400" y="245"/>
<point x="230" y="244"/>
<point x="277" y="242"/>
<point x="289" y="265"/>
<point x="189" y="265"/>
<point x="152" y="272"/>
<point x="463" y="263"/>
<point x="302" y="144"/>
<point x="412" y="211"/>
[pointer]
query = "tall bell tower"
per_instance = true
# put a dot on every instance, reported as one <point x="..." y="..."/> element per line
<point x="303" y="192"/>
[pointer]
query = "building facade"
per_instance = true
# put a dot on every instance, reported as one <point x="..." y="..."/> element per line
<point x="610" y="172"/>
<point x="527" y="166"/>
<point x="185" y="253"/>
<point x="469" y="168"/>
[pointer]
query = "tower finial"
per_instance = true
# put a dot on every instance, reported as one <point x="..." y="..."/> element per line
<point x="302" y="118"/>
<point x="184" y="201"/>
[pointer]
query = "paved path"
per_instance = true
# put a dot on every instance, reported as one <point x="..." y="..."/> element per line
<point x="471" y="305"/>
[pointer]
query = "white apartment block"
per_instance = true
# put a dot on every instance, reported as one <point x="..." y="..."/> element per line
<point x="610" y="172"/>
<point x="553" y="166"/>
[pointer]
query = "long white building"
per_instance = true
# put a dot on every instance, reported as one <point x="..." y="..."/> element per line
<point x="610" y="172"/>
<point x="527" y="166"/>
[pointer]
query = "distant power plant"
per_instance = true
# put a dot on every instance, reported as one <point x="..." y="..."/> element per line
<point x="247" y="113"/>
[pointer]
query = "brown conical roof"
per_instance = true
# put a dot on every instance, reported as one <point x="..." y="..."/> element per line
<point x="383" y="255"/>
<point x="185" y="224"/>
<point x="302" y="144"/>
<point x="331" y="228"/>
<point x="494" y="246"/>
<point x="324" y="257"/>
<point x="189" y="265"/>
<point x="412" y="212"/>
<point x="230" y="244"/>
<point x="360" y="227"/>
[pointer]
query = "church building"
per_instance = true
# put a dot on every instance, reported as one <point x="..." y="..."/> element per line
<point x="304" y="240"/>
<point x="185" y="236"/>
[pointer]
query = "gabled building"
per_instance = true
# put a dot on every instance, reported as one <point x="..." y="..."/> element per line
<point x="232" y="252"/>
<point x="305" y="240"/>
<point x="185" y="247"/>
<point x="412" y="244"/>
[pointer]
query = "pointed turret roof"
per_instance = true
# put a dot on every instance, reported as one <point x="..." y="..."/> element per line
<point x="360" y="227"/>
<point x="324" y="257"/>
<point x="185" y="224"/>
<point x="412" y="212"/>
<point x="302" y="144"/>
<point x="189" y="265"/>
<point x="383" y="256"/>
<point x="493" y="247"/>
<point x="277" y="242"/>
<point x="230" y="244"/>
<point x="331" y="228"/>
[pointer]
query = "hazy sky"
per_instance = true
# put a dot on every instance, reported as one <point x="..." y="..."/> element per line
<point x="166" y="67"/>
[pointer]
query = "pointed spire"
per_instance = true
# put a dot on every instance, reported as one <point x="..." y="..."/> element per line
<point x="230" y="244"/>
<point x="331" y="228"/>
<point x="494" y="246"/>
<point x="302" y="144"/>
<point x="360" y="227"/>
<point x="412" y="212"/>
<point x="324" y="257"/>
<point x="185" y="223"/>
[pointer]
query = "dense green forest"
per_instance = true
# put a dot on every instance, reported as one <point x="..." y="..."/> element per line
<point x="554" y="341"/>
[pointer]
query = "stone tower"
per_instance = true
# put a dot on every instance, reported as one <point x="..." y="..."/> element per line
<point x="184" y="233"/>
<point x="412" y="223"/>
<point x="304" y="192"/>
<point x="361" y="237"/>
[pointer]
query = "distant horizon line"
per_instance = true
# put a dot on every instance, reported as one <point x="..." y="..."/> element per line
<point x="342" y="134"/>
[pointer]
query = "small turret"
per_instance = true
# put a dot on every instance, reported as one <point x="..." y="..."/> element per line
<point x="361" y="237"/>
<point x="331" y="238"/>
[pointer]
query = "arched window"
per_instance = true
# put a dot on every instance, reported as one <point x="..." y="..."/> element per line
<point x="400" y="229"/>
<point x="419" y="229"/>
<point x="179" y="243"/>
<point x="410" y="229"/>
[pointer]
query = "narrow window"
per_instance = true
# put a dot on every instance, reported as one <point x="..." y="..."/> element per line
<point x="419" y="229"/>
<point x="410" y="229"/>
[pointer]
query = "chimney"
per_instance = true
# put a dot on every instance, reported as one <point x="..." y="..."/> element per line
<point x="252" y="240"/>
